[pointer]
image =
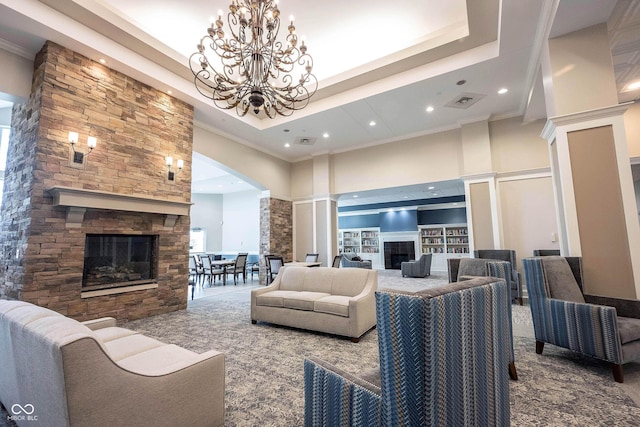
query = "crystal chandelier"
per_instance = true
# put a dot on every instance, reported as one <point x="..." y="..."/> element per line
<point x="249" y="69"/>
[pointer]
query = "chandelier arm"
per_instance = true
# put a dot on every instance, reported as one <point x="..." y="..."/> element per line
<point x="253" y="70"/>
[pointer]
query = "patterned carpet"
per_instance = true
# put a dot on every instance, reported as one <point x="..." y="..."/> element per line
<point x="264" y="365"/>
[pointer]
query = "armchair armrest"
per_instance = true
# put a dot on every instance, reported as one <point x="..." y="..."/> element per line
<point x="334" y="397"/>
<point x="103" y="322"/>
<point x="596" y="325"/>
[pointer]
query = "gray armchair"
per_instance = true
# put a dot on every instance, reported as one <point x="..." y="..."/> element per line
<point x="564" y="316"/>
<point x="418" y="268"/>
<point x="505" y="255"/>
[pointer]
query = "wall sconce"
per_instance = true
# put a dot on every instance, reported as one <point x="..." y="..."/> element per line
<point x="78" y="157"/>
<point x="172" y="175"/>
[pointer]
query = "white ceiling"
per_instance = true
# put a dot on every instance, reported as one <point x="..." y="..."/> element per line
<point x="375" y="60"/>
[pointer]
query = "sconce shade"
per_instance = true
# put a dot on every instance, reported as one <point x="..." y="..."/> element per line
<point x="73" y="137"/>
<point x="169" y="160"/>
<point x="92" y="141"/>
<point x="180" y="164"/>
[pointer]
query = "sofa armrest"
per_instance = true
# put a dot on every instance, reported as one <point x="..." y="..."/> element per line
<point x="103" y="322"/>
<point x="168" y="398"/>
<point x="327" y="388"/>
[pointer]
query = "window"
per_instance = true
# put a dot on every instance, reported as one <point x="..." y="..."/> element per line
<point x="196" y="242"/>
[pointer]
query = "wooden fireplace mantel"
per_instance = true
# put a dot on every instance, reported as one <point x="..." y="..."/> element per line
<point x="78" y="200"/>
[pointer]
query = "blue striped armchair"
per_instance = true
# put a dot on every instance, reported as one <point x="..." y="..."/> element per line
<point x="437" y="366"/>
<point x="563" y="315"/>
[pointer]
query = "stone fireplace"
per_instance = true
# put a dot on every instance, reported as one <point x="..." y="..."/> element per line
<point x="51" y="206"/>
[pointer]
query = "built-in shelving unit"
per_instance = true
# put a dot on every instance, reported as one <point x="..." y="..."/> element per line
<point x="444" y="241"/>
<point x="363" y="241"/>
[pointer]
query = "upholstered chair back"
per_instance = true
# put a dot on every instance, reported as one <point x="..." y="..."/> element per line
<point x="443" y="362"/>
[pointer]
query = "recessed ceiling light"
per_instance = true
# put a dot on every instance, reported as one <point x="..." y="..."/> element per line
<point x="455" y="204"/>
<point x="405" y="197"/>
<point x="634" y="85"/>
<point x="431" y="188"/>
<point x="503" y="91"/>
<point x="435" y="194"/>
<point x="430" y="109"/>
<point x="325" y="135"/>
<point x="287" y="145"/>
<point x="169" y="92"/>
<point x="103" y="61"/>
<point x="355" y="196"/>
<point x="372" y="123"/>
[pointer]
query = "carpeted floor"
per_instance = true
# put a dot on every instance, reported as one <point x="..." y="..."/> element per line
<point x="264" y="380"/>
<point x="264" y="365"/>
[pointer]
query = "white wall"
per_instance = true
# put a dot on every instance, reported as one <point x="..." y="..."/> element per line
<point x="207" y="213"/>
<point x="15" y="84"/>
<point x="241" y="222"/>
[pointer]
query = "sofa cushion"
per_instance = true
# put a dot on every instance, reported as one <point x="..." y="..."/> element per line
<point x="292" y="278"/>
<point x="273" y="298"/>
<point x="561" y="283"/>
<point x="124" y="347"/>
<point x="319" y="279"/>
<point x="333" y="304"/>
<point x="112" y="333"/>
<point x="158" y="359"/>
<point x="628" y="329"/>
<point x="302" y="300"/>
<point x="349" y="281"/>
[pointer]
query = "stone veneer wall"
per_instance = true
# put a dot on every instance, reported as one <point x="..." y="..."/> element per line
<point x="136" y="126"/>
<point x="276" y="230"/>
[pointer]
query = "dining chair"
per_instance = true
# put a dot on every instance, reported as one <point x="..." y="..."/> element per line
<point x="273" y="264"/>
<point x="194" y="269"/>
<point x="311" y="258"/>
<point x="209" y="270"/>
<point x="336" y="261"/>
<point x="240" y="267"/>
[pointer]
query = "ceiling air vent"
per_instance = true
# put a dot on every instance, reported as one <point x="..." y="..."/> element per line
<point x="465" y="100"/>
<point x="305" y="140"/>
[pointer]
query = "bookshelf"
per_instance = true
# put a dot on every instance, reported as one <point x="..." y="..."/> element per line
<point x="444" y="241"/>
<point x="363" y="241"/>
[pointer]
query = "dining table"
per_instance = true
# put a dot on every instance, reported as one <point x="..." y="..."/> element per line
<point x="224" y="264"/>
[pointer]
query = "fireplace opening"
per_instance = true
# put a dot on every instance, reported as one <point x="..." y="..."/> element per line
<point x="114" y="260"/>
<point x="397" y="252"/>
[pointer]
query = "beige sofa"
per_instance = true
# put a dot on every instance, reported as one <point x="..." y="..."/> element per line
<point x="337" y="301"/>
<point x="67" y="373"/>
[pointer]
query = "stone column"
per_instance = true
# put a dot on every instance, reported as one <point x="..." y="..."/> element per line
<point x="276" y="230"/>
